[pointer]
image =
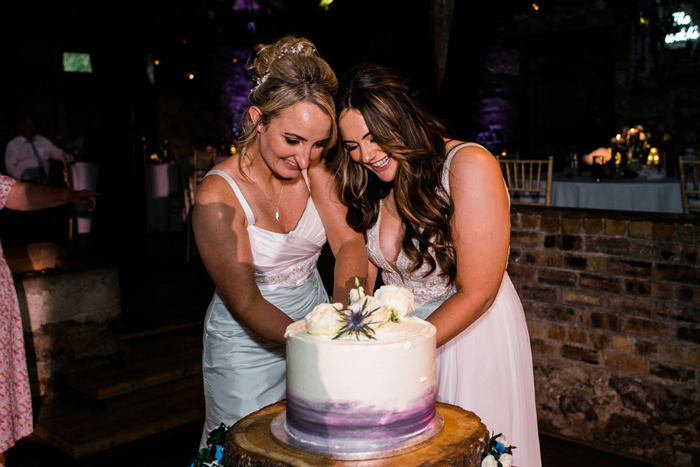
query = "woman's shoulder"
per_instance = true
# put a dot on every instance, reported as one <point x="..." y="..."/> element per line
<point x="475" y="175"/>
<point x="470" y="157"/>
<point x="216" y="186"/>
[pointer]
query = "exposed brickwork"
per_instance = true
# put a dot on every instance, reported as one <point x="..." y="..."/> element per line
<point x="613" y="309"/>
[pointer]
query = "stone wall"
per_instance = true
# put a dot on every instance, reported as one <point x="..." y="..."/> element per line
<point x="612" y="302"/>
<point x="68" y="319"/>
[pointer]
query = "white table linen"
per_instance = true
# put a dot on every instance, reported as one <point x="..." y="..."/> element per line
<point x="639" y="194"/>
<point x="162" y="180"/>
<point x="84" y="176"/>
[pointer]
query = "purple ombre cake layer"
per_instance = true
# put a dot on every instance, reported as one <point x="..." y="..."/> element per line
<point x="354" y="426"/>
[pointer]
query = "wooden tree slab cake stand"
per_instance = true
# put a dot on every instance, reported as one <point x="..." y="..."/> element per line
<point x="249" y="443"/>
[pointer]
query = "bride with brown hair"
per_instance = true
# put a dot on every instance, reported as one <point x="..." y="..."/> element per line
<point x="435" y="213"/>
<point x="260" y="220"/>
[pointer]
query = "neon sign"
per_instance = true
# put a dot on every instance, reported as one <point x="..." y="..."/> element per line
<point x="688" y="31"/>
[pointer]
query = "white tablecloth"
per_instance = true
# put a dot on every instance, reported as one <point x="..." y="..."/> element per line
<point x="162" y="180"/>
<point x="84" y="176"/>
<point x="639" y="194"/>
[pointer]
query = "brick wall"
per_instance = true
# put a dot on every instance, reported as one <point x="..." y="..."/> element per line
<point x="612" y="302"/>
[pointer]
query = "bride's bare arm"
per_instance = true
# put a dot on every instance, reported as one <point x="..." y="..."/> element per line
<point x="481" y="236"/>
<point x="347" y="245"/>
<point x="219" y="225"/>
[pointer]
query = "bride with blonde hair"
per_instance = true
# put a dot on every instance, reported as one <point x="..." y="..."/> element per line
<point x="260" y="220"/>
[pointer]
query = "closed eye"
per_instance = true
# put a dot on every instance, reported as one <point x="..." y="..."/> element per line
<point x="292" y="141"/>
<point x="351" y="147"/>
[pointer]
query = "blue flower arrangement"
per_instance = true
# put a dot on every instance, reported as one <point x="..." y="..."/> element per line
<point x="499" y="453"/>
<point x="212" y="455"/>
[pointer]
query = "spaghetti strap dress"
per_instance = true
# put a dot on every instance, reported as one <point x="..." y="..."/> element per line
<point x="487" y="368"/>
<point x="242" y="372"/>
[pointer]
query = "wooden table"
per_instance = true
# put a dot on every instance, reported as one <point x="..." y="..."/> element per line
<point x="461" y="443"/>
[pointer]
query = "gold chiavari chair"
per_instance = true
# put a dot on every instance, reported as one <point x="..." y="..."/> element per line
<point x="524" y="180"/>
<point x="689" y="175"/>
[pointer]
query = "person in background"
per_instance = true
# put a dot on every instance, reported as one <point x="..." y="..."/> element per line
<point x="435" y="212"/>
<point x="260" y="220"/>
<point x="15" y="397"/>
<point x="27" y="156"/>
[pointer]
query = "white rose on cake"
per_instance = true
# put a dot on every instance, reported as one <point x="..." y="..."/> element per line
<point x="370" y="304"/>
<point x="398" y="300"/>
<point x="364" y="315"/>
<point x="324" y="319"/>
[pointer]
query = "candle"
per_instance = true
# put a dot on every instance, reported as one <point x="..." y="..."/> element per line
<point x="653" y="156"/>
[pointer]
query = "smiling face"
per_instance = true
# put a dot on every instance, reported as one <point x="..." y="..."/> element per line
<point x="362" y="147"/>
<point x="293" y="139"/>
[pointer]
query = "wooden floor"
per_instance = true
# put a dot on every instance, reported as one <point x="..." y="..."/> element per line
<point x="176" y="447"/>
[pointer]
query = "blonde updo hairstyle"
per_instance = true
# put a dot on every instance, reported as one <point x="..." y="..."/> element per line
<point x="285" y="73"/>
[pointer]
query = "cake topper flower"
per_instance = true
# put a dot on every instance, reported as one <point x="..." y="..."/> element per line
<point x="356" y="321"/>
<point x="358" y="293"/>
<point x="398" y="300"/>
<point x="324" y="319"/>
<point x="364" y="315"/>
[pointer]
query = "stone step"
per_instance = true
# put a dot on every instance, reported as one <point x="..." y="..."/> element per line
<point x="147" y="343"/>
<point x="120" y="379"/>
<point x="80" y="430"/>
<point x="135" y="397"/>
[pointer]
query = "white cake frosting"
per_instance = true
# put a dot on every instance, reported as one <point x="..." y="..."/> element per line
<point x="356" y="393"/>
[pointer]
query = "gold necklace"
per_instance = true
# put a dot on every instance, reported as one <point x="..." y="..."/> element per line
<point x="269" y="198"/>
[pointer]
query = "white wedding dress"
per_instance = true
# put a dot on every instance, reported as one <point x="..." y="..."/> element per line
<point x="242" y="372"/>
<point x="486" y="369"/>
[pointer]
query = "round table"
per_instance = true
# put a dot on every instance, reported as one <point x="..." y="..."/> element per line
<point x="461" y="443"/>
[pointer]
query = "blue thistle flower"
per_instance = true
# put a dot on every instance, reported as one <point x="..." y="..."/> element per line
<point x="354" y="322"/>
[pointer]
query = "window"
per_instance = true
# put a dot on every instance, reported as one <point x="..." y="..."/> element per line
<point x="76" y="62"/>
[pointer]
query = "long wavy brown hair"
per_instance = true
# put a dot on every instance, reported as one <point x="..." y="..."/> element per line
<point x="416" y="141"/>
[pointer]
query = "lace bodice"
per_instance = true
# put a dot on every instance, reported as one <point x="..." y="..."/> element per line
<point x="282" y="258"/>
<point x="425" y="289"/>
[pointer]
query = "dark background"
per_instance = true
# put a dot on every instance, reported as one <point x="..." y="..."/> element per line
<point x="550" y="80"/>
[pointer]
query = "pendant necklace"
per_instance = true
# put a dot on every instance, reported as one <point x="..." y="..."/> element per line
<point x="269" y="198"/>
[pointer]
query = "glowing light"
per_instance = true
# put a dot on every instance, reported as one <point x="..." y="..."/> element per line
<point x="325" y="4"/>
<point x="681" y="19"/>
<point x="190" y="76"/>
<point x="235" y="59"/>
<point x="77" y="62"/>
<point x="684" y="35"/>
<point x="688" y="32"/>
<point x="643" y="22"/>
<point x="600" y="155"/>
<point x="233" y="149"/>
<point x="157" y="62"/>
<point x="535" y="6"/>
<point x="184" y="41"/>
<point x="653" y="157"/>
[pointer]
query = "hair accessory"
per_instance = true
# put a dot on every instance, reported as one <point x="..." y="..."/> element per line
<point x="283" y="52"/>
